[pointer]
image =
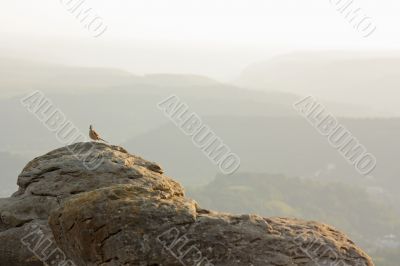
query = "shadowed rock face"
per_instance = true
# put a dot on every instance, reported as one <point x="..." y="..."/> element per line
<point x="126" y="212"/>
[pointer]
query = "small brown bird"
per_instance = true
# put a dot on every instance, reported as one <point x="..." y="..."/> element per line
<point x="94" y="135"/>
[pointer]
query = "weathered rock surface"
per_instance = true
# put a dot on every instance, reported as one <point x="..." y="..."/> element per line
<point x="126" y="212"/>
<point x="47" y="181"/>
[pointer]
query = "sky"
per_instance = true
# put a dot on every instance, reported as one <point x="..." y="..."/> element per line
<point x="210" y="37"/>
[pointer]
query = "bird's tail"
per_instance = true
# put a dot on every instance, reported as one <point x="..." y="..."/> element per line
<point x="103" y="140"/>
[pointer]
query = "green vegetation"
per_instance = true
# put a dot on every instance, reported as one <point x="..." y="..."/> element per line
<point x="351" y="209"/>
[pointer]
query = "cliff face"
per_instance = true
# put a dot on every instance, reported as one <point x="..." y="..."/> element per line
<point x="126" y="212"/>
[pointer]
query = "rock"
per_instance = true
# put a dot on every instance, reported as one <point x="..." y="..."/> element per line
<point x="47" y="181"/>
<point x="131" y="225"/>
<point x="126" y="212"/>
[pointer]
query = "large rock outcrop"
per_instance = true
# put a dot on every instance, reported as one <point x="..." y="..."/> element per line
<point x="48" y="181"/>
<point x="126" y="212"/>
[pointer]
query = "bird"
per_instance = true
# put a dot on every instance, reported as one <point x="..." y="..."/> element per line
<point x="94" y="135"/>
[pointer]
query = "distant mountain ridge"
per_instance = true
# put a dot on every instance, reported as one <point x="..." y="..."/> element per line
<point x="17" y="75"/>
<point x="370" y="79"/>
<point x="285" y="145"/>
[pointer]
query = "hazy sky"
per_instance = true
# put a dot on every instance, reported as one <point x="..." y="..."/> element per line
<point x="187" y="35"/>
